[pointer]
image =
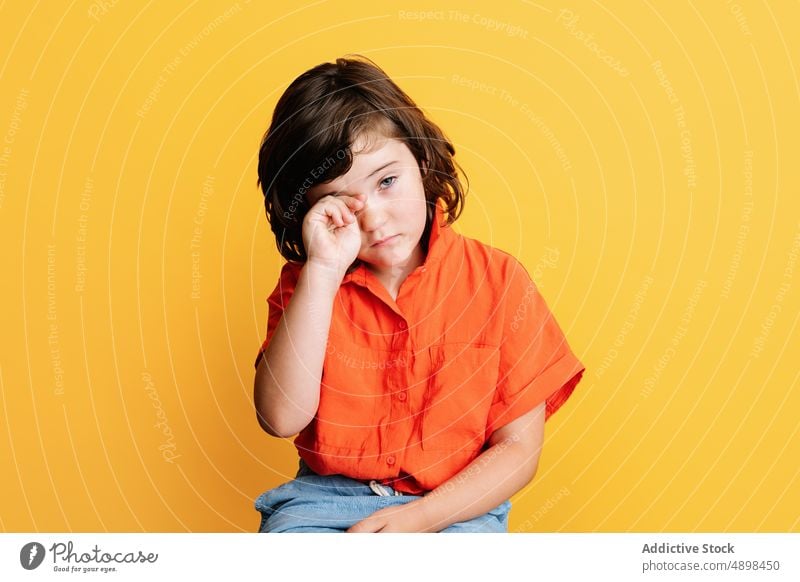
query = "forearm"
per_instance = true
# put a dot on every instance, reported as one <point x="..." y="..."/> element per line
<point x="494" y="476"/>
<point x="287" y="383"/>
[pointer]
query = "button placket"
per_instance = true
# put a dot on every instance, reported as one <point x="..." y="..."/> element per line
<point x="396" y="379"/>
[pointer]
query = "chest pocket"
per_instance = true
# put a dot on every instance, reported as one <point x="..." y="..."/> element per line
<point x="460" y="390"/>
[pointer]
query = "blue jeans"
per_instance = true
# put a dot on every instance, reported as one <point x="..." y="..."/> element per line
<point x="334" y="503"/>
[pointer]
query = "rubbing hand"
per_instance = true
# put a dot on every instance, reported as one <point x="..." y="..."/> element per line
<point x="331" y="234"/>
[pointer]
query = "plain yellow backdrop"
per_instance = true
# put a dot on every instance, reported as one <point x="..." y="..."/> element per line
<point x="641" y="159"/>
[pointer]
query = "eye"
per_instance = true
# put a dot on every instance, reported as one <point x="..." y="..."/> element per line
<point x="388" y="181"/>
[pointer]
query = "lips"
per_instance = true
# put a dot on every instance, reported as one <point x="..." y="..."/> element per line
<point x="383" y="241"/>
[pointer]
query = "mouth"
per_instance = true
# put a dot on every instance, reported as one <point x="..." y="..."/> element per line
<point x="384" y="241"/>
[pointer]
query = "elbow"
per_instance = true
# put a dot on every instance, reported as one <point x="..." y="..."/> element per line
<point x="529" y="464"/>
<point x="274" y="428"/>
<point x="267" y="427"/>
<point x="277" y="416"/>
<point x="281" y="430"/>
<point x="269" y="419"/>
<point x="532" y="469"/>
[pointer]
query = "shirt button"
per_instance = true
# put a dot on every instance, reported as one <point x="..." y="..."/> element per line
<point x="401" y="396"/>
<point x="401" y="325"/>
<point x="390" y="460"/>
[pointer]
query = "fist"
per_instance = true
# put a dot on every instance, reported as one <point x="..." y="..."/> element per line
<point x="331" y="234"/>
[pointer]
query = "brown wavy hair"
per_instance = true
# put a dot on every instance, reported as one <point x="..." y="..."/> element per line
<point x="310" y="139"/>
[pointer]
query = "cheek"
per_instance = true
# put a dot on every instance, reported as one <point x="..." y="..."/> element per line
<point x="417" y="198"/>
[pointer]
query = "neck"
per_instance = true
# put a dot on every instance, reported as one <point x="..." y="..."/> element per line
<point x="392" y="277"/>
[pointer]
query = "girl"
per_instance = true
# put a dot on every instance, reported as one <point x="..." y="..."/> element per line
<point x="415" y="365"/>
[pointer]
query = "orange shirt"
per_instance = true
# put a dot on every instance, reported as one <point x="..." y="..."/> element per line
<point x="412" y="389"/>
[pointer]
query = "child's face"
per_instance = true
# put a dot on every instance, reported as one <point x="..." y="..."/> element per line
<point x="387" y="179"/>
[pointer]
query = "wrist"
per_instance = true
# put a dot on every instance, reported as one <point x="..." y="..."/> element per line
<point x="321" y="273"/>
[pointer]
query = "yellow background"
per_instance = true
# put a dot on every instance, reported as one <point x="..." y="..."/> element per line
<point x="641" y="159"/>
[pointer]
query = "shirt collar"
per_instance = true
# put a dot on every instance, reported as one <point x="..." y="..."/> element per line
<point x="441" y="237"/>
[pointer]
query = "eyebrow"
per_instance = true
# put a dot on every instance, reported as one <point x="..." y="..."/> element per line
<point x="383" y="167"/>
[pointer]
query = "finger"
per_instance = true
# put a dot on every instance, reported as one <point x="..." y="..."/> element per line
<point x="355" y="203"/>
<point x="347" y="203"/>
<point x="345" y="212"/>
<point x="334" y="213"/>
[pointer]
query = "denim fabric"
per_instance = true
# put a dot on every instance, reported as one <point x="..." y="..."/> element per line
<point x="334" y="503"/>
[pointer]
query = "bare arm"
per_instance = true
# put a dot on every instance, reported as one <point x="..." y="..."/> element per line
<point x="500" y="471"/>
<point x="288" y="377"/>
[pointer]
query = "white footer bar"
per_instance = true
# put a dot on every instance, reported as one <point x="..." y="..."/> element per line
<point x="402" y="557"/>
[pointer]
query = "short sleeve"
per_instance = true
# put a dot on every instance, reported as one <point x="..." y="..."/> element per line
<point x="536" y="362"/>
<point x="277" y="302"/>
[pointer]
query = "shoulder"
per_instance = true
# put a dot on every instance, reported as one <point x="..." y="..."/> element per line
<point x="484" y="275"/>
<point x="497" y="265"/>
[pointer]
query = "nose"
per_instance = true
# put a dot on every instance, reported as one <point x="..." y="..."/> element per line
<point x="372" y="216"/>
